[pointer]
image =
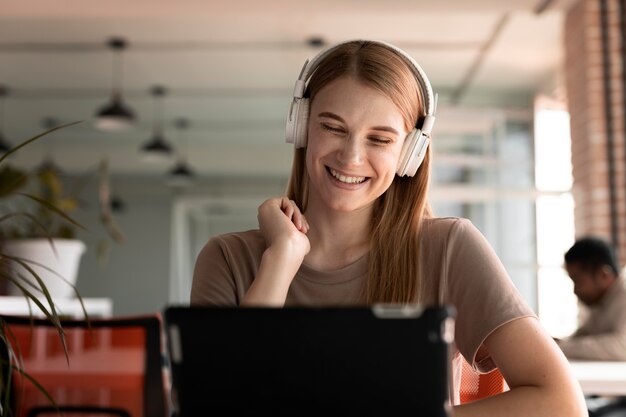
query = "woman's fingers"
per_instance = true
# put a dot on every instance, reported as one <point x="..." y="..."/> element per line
<point x="300" y="222"/>
<point x="286" y="207"/>
<point x="292" y="211"/>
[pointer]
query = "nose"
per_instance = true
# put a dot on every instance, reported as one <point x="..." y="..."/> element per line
<point x="352" y="151"/>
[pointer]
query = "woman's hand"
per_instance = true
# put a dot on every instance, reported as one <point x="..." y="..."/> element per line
<point x="284" y="227"/>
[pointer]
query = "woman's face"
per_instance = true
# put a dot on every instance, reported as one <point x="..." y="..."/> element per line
<point x="355" y="136"/>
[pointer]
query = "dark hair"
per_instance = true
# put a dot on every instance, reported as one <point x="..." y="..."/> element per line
<point x="593" y="253"/>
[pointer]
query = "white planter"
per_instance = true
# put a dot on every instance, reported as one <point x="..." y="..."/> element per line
<point x="63" y="259"/>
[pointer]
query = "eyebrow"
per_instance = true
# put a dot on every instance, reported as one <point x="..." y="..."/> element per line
<point x="338" y="118"/>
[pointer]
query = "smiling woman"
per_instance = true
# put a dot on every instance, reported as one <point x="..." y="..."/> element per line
<point x="355" y="228"/>
<point x="352" y="147"/>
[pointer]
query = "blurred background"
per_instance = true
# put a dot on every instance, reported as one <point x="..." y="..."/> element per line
<point x="186" y="101"/>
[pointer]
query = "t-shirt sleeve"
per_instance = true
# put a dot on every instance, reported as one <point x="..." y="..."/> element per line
<point x="481" y="291"/>
<point x="213" y="282"/>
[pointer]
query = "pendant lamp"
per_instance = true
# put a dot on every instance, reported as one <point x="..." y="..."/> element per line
<point x="5" y="146"/>
<point x="182" y="175"/>
<point x="157" y="149"/>
<point x="115" y="115"/>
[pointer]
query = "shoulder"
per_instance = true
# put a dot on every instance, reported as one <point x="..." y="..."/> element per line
<point x="252" y="237"/>
<point x="249" y="242"/>
<point x="453" y="240"/>
<point x="446" y="229"/>
<point x="226" y="266"/>
<point x="620" y="294"/>
<point x="444" y="222"/>
<point x="458" y="240"/>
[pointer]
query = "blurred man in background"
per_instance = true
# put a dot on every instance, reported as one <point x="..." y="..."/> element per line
<point x="592" y="265"/>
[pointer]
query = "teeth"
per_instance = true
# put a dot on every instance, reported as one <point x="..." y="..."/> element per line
<point x="348" y="180"/>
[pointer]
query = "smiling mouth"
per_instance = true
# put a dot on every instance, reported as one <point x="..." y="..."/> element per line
<point x="345" y="179"/>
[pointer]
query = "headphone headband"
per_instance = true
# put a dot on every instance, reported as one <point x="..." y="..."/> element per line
<point x="430" y="100"/>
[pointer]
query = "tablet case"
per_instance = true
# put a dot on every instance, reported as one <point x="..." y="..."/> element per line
<point x="385" y="360"/>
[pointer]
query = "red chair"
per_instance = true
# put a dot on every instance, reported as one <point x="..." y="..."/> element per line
<point x="114" y="367"/>
<point x="475" y="385"/>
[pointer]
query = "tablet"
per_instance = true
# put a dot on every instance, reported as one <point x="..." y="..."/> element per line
<point x="355" y="361"/>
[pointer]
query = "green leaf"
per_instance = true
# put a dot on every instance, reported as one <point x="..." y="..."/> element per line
<point x="35" y="221"/>
<point x="66" y="232"/>
<point x="26" y="375"/>
<point x="11" y="180"/>
<point x="52" y="315"/>
<point x="21" y="145"/>
<point x="53" y="208"/>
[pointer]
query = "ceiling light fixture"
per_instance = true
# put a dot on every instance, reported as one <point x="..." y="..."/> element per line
<point x="182" y="175"/>
<point x="316" y="42"/>
<point x="5" y="146"/>
<point x="116" y="115"/>
<point x="157" y="149"/>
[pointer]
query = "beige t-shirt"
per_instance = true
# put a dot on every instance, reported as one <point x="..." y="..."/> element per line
<point x="462" y="268"/>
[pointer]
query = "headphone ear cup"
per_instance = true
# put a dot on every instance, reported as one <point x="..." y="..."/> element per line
<point x="413" y="153"/>
<point x="297" y="125"/>
<point x="302" y="129"/>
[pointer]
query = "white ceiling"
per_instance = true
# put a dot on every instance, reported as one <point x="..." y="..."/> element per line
<point x="229" y="68"/>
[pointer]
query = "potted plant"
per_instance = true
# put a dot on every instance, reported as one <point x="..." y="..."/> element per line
<point x="35" y="224"/>
<point x="47" y="217"/>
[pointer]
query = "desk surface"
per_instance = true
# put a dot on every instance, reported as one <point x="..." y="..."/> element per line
<point x="96" y="307"/>
<point x="601" y="378"/>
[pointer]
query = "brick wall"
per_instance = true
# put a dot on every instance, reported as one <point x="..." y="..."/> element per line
<point x="598" y="210"/>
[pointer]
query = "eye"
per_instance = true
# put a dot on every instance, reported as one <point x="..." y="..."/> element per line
<point x="379" y="140"/>
<point x="333" y="129"/>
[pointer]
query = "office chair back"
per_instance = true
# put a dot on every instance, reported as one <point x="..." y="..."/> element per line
<point x="475" y="386"/>
<point x="114" y="366"/>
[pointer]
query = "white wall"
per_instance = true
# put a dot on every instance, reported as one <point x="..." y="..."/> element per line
<point x="137" y="274"/>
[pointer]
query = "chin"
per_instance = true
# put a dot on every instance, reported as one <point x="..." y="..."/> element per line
<point x="348" y="206"/>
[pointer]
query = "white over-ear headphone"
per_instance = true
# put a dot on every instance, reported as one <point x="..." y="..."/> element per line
<point x="415" y="144"/>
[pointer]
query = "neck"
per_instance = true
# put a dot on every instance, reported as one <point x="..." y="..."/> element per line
<point x="337" y="238"/>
